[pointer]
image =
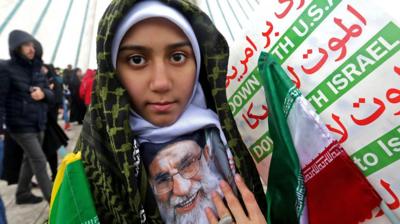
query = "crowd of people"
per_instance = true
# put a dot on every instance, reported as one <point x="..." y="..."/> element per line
<point x="158" y="104"/>
<point x="159" y="144"/>
<point x="33" y="96"/>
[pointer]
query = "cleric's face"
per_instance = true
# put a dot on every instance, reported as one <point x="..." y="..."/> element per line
<point x="182" y="182"/>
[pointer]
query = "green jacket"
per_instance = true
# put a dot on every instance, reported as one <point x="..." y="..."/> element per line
<point x="110" y="153"/>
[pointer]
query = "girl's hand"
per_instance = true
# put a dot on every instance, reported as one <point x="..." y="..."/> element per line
<point x="225" y="216"/>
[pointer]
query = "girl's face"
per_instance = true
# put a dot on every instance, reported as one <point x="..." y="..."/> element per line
<point x="156" y="65"/>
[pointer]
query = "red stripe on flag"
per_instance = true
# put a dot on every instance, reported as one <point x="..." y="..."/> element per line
<point x="337" y="191"/>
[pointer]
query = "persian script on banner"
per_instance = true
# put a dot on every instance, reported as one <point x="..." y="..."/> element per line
<point x="344" y="58"/>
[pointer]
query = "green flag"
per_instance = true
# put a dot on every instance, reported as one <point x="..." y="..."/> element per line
<point x="71" y="199"/>
<point x="285" y="192"/>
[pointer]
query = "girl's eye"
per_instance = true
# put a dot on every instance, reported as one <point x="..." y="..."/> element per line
<point x="178" y="57"/>
<point x="137" y="60"/>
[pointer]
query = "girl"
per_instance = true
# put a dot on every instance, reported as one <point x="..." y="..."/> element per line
<point x="161" y="78"/>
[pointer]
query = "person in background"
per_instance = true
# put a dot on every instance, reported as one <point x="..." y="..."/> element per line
<point x="3" y="219"/>
<point x="67" y="75"/>
<point x="12" y="152"/>
<point x="24" y="99"/>
<point x="77" y="107"/>
<point x="85" y="90"/>
<point x="66" y="107"/>
<point x="54" y="136"/>
<point x="59" y="79"/>
<point x="55" y="84"/>
<point x="65" y="96"/>
<point x="12" y="160"/>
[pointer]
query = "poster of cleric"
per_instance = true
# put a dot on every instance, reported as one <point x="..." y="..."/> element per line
<point x="185" y="171"/>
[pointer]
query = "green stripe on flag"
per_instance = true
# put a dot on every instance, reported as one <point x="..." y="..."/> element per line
<point x="286" y="190"/>
<point x="291" y="96"/>
<point x="379" y="154"/>
<point x="362" y="63"/>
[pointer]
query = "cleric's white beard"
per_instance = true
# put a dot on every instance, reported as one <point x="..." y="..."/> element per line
<point x="208" y="184"/>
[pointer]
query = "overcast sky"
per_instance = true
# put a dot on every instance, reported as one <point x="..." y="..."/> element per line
<point x="29" y="11"/>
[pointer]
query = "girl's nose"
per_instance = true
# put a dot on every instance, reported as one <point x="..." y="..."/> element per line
<point x="160" y="81"/>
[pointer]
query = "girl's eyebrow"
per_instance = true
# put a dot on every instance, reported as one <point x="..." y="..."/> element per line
<point x="179" y="44"/>
<point x="143" y="48"/>
<point x="133" y="47"/>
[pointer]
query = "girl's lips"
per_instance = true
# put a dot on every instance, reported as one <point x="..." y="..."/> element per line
<point x="161" y="107"/>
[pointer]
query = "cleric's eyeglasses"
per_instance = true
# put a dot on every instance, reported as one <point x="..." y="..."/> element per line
<point x="163" y="183"/>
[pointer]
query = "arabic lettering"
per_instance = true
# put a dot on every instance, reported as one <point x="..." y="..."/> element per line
<point x="397" y="70"/>
<point x="340" y="44"/>
<point x="231" y="77"/>
<point x="396" y="202"/>
<point x="267" y="33"/>
<point x="342" y="131"/>
<point x="375" y="115"/>
<point x="317" y="66"/>
<point x="335" y="43"/>
<point x="248" y="52"/>
<point x="393" y="96"/>
<point x="354" y="30"/>
<point x="257" y="118"/>
<point x="356" y="14"/>
<point x="295" y="79"/>
<point x="288" y="8"/>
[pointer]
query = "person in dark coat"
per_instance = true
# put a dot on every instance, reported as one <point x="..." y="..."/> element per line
<point x="77" y="108"/>
<point x="12" y="160"/>
<point x="54" y="136"/>
<point x="67" y="74"/>
<point x="3" y="218"/>
<point x="12" y="152"/>
<point x="55" y="84"/>
<point x="24" y="99"/>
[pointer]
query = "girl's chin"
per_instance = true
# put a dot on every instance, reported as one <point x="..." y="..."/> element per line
<point x="162" y="121"/>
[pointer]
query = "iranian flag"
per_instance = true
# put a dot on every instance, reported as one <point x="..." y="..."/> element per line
<point x="311" y="178"/>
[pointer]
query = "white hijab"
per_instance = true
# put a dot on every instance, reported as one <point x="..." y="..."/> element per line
<point x="196" y="115"/>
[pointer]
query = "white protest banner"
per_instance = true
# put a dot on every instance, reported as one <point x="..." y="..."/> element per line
<point x="344" y="58"/>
